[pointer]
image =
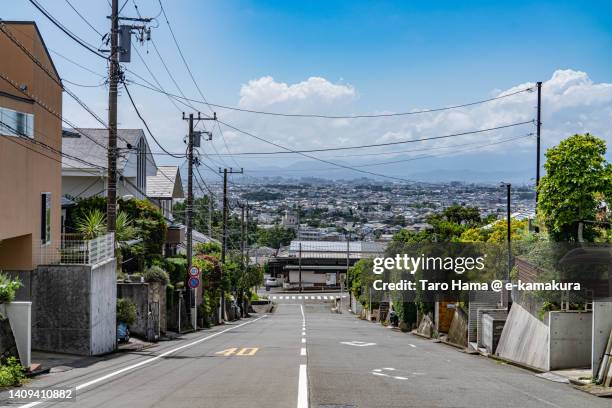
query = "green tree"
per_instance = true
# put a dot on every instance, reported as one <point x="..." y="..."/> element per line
<point x="275" y="237"/>
<point x="578" y="179"/>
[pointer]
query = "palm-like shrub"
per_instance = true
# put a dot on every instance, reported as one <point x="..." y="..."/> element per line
<point x="91" y="224"/>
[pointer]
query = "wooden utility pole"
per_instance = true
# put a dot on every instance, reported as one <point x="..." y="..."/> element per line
<point x="111" y="190"/>
<point x="225" y="172"/>
<point x="191" y="298"/>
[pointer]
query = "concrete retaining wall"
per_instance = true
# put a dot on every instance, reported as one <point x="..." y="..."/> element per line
<point x="480" y="300"/>
<point x="497" y="314"/>
<point x="602" y="325"/>
<point x="569" y="339"/>
<point x="524" y="339"/>
<point x="73" y="308"/>
<point x="457" y="333"/>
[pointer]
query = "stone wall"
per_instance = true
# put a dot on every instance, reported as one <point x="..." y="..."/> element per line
<point x="150" y="301"/>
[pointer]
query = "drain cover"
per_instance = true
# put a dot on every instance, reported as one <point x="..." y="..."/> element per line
<point x="60" y="369"/>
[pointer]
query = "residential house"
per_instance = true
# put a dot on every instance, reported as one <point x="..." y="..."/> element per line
<point x="70" y="310"/>
<point x="164" y="188"/>
<point x="134" y="163"/>
<point x="30" y="142"/>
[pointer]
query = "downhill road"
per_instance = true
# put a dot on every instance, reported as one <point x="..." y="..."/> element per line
<point x="302" y="355"/>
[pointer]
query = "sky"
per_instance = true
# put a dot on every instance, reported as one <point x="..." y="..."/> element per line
<point x="353" y="58"/>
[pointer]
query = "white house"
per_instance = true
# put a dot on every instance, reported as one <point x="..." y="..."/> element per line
<point x="134" y="163"/>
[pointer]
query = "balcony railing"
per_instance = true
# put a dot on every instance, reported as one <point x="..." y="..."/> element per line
<point x="73" y="249"/>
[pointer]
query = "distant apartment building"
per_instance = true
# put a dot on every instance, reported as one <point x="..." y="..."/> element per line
<point x="30" y="142"/>
<point x="290" y="220"/>
<point x="134" y="163"/>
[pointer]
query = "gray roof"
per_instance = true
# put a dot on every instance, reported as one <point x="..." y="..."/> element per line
<point x="166" y="183"/>
<point x="334" y="249"/>
<point x="83" y="147"/>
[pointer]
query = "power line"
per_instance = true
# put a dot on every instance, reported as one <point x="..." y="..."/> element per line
<point x="311" y="156"/>
<point x="381" y="115"/>
<point x="62" y="55"/>
<point x="329" y="149"/>
<point x="66" y="31"/>
<point x="178" y="47"/>
<point x="425" y="156"/>
<point x="84" y="19"/>
<point x="144" y="122"/>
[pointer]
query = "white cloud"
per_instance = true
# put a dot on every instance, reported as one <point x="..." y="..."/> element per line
<point x="571" y="103"/>
<point x="265" y="91"/>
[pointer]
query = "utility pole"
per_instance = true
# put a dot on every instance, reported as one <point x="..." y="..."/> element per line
<point x="538" y="130"/>
<point x="242" y="247"/>
<point x="348" y="264"/>
<point x="210" y="214"/>
<point x="246" y="255"/>
<point x="111" y="193"/>
<point x="191" y="300"/>
<point x="225" y="172"/>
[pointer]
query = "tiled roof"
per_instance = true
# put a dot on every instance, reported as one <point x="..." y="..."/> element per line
<point x="164" y="183"/>
<point x="75" y="144"/>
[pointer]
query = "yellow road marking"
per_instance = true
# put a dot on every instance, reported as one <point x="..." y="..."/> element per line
<point x="245" y="351"/>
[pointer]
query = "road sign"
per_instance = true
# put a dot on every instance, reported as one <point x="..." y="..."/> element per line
<point x="194" y="271"/>
<point x="194" y="282"/>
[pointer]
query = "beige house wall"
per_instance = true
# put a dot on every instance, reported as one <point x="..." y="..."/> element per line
<point x="26" y="169"/>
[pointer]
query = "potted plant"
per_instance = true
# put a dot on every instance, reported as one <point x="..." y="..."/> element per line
<point x="126" y="315"/>
<point x="8" y="288"/>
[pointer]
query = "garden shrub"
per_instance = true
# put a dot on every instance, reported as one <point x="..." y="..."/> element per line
<point x="11" y="373"/>
<point x="156" y="274"/>
<point x="8" y="288"/>
<point x="126" y="311"/>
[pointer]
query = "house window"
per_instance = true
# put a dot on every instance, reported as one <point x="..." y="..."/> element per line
<point x="15" y="123"/>
<point x="45" y="218"/>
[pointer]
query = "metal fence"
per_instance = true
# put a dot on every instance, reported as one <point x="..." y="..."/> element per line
<point x="73" y="249"/>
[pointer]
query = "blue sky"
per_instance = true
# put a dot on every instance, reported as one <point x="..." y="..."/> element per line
<point x="394" y="56"/>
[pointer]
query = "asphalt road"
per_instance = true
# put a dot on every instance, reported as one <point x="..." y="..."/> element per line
<point x="305" y="356"/>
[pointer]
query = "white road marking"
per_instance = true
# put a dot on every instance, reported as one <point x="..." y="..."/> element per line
<point x="412" y="345"/>
<point x="293" y="297"/>
<point x="357" y="343"/>
<point x="325" y="297"/>
<point x="319" y="297"/>
<point x="302" y="399"/>
<point x="303" y="333"/>
<point x="150" y="360"/>
<point x="299" y="297"/>
<point x="303" y="351"/>
<point x="303" y="340"/>
<point x="303" y="316"/>
<point x="400" y="378"/>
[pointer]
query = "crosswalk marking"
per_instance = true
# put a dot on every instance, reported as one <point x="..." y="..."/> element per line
<point x="306" y="297"/>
